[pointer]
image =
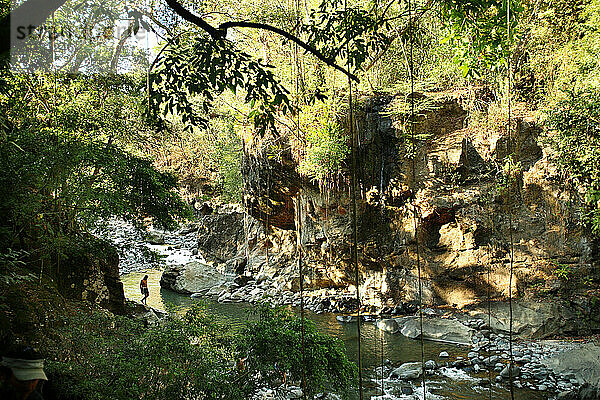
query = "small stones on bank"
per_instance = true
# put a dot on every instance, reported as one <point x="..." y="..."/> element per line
<point x="491" y="355"/>
<point x="285" y="392"/>
<point x="251" y="290"/>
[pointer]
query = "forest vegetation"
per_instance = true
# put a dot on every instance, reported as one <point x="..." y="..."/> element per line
<point x="115" y="130"/>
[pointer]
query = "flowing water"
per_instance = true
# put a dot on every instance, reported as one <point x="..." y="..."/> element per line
<point x="448" y="383"/>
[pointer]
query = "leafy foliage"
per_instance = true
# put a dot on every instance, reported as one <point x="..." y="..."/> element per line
<point x="345" y="32"/>
<point x="118" y="358"/>
<point x="576" y="140"/>
<point x="226" y="155"/>
<point x="326" y="150"/>
<point x="65" y="162"/>
<point x="206" y="161"/>
<point x="273" y="343"/>
<point x="189" y="356"/>
<point x="478" y="32"/>
<point x="201" y="67"/>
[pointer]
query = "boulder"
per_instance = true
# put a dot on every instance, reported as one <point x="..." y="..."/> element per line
<point x="430" y="365"/>
<point x="90" y="272"/>
<point x="524" y="143"/>
<point x="435" y="328"/>
<point x="192" y="277"/>
<point x="584" y="363"/>
<point x="387" y="325"/>
<point x="411" y="370"/>
<point x="221" y="235"/>
<point x="530" y="319"/>
<point x="216" y="290"/>
<point x="242" y="280"/>
<point x="150" y="316"/>
<point x="514" y="371"/>
<point x="154" y="237"/>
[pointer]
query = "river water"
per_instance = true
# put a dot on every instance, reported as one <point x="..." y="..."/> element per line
<point x="448" y="383"/>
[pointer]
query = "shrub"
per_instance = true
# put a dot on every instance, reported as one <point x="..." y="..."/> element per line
<point x="273" y="343"/>
<point x="326" y="149"/>
<point x="188" y="356"/>
<point x="575" y="123"/>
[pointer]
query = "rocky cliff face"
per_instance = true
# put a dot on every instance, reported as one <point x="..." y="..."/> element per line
<point x="91" y="273"/>
<point x="468" y="213"/>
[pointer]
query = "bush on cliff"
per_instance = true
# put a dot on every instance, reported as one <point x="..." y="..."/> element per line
<point x="575" y="122"/>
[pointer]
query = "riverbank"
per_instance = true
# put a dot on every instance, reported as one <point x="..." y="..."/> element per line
<point x="465" y="369"/>
<point x="484" y="359"/>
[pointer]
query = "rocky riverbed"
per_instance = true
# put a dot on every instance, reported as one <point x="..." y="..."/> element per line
<point x="544" y="366"/>
<point x="535" y="363"/>
<point x="488" y="357"/>
<point x="490" y="354"/>
<point x="140" y="250"/>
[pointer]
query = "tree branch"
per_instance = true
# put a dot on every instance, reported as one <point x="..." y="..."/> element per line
<point x="376" y="22"/>
<point x="194" y="19"/>
<point x="389" y="45"/>
<point x="289" y="36"/>
<point x="119" y="47"/>
<point x="221" y="33"/>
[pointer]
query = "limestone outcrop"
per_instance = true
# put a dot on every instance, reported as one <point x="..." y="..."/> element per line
<point x="469" y="222"/>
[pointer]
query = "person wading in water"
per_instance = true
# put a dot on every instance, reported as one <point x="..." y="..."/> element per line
<point x="144" y="289"/>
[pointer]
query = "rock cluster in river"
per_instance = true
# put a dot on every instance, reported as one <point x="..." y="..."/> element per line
<point x="489" y="358"/>
<point x="143" y="250"/>
<point x="489" y="353"/>
<point x="251" y="290"/>
<point x="291" y="392"/>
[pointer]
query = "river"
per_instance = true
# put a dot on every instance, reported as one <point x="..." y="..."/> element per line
<point x="449" y="383"/>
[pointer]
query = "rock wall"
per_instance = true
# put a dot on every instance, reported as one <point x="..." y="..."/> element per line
<point x="466" y="215"/>
<point x="91" y="272"/>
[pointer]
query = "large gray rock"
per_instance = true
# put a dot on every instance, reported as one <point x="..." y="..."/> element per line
<point x="154" y="237"/>
<point x="221" y="235"/>
<point x="411" y="370"/>
<point x="583" y="362"/>
<point x="388" y="325"/>
<point x="192" y="277"/>
<point x="530" y="319"/>
<point x="436" y="328"/>
<point x="148" y="315"/>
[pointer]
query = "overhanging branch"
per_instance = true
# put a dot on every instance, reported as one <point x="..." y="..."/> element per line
<point x="221" y="32"/>
<point x="194" y="19"/>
